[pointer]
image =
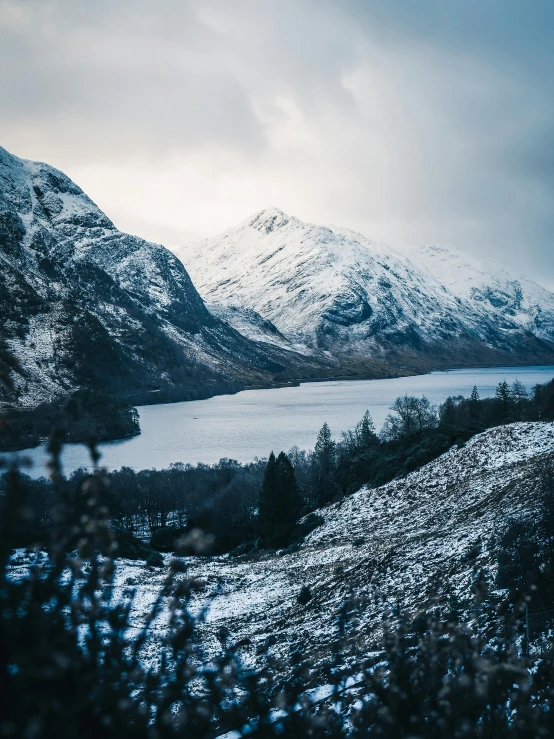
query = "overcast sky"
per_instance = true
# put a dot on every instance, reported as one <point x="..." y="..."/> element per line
<point x="413" y="121"/>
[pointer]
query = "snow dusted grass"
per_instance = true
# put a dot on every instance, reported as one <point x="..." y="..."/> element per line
<point x="410" y="543"/>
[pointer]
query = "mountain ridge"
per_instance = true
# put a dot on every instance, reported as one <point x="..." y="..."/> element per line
<point x="333" y="290"/>
<point x="86" y="305"/>
<point x="489" y="284"/>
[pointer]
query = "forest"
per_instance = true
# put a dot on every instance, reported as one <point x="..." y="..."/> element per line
<point x="271" y="503"/>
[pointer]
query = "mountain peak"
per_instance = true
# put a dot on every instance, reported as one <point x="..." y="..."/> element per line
<point x="269" y="219"/>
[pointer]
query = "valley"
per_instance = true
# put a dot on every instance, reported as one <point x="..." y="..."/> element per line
<point x="276" y="370"/>
<point x="313" y="551"/>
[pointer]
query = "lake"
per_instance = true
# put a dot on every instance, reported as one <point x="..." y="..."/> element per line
<point x="254" y="422"/>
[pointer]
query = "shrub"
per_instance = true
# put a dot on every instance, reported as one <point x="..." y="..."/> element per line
<point x="155" y="560"/>
<point x="165" y="538"/>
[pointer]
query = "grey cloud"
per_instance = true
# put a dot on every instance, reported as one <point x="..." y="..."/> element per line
<point x="410" y="121"/>
<point x="125" y="83"/>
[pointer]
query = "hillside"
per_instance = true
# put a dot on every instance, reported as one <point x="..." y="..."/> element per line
<point x="85" y="305"/>
<point x="333" y="290"/>
<point x="410" y="543"/>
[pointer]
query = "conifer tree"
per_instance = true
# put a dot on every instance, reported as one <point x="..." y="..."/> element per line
<point x="475" y="405"/>
<point x="502" y="396"/>
<point x="448" y="412"/>
<point x="279" y="500"/>
<point x="324" y="463"/>
<point x="325" y="446"/>
<point x="268" y="496"/>
<point x="365" y="432"/>
<point x="288" y="498"/>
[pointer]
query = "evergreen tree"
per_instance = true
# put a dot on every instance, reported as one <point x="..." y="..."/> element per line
<point x="475" y="405"/>
<point x="502" y="396"/>
<point x="279" y="500"/>
<point x="447" y="412"/>
<point x="324" y="464"/>
<point x="325" y="446"/>
<point x="268" y="497"/>
<point x="288" y="499"/>
<point x="365" y="432"/>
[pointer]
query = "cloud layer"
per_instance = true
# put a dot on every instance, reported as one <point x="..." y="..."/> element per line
<point x="412" y="122"/>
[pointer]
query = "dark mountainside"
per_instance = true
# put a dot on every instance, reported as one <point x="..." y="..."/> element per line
<point x="85" y="305"/>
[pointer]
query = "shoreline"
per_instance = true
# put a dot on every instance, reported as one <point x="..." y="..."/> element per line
<point x="276" y="385"/>
<point x="238" y="429"/>
<point x="347" y="378"/>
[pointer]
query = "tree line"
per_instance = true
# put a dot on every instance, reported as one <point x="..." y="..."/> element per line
<point x="83" y="415"/>
<point x="259" y="504"/>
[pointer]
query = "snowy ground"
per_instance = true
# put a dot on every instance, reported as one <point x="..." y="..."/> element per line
<point x="409" y="543"/>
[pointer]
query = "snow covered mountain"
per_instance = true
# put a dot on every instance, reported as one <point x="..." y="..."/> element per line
<point x="249" y="323"/>
<point x="489" y="286"/>
<point x="83" y="304"/>
<point x="335" y="291"/>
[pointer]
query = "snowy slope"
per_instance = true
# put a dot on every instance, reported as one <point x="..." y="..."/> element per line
<point x="489" y="286"/>
<point x="249" y="323"/>
<point x="411" y="543"/>
<point x="331" y="289"/>
<point x="408" y="542"/>
<point x="83" y="304"/>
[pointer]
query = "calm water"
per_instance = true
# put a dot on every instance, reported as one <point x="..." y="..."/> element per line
<point x="252" y="423"/>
